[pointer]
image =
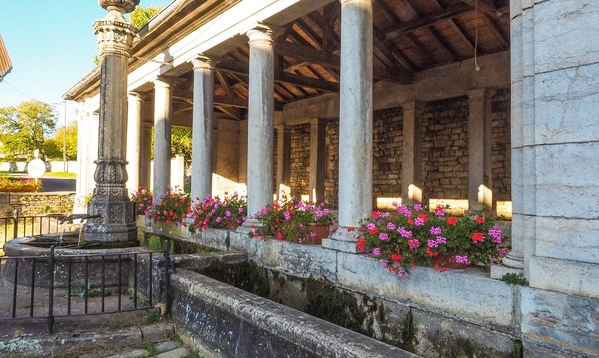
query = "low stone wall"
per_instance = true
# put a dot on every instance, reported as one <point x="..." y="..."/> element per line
<point x="432" y="313"/>
<point x="224" y="321"/>
<point x="36" y="203"/>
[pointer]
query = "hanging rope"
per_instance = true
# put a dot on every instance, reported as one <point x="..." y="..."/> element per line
<point x="476" y="34"/>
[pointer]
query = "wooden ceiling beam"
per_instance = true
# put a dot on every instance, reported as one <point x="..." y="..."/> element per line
<point x="312" y="55"/>
<point x="222" y="79"/>
<point x="443" y="44"/>
<point x="418" y="47"/>
<point x="230" y="111"/>
<point x="308" y="31"/>
<point x="426" y="20"/>
<point x="408" y="65"/>
<point x="495" y="30"/>
<point x="462" y="34"/>
<point x="485" y="6"/>
<point x="281" y="76"/>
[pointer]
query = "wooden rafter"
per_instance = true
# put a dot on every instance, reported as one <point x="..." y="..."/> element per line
<point x="308" y="31"/>
<point x="418" y="47"/>
<point x="496" y="31"/>
<point x="443" y="43"/>
<point x="426" y="20"/>
<point x="281" y="76"/>
<point x="333" y="61"/>
<point x="462" y="34"/>
<point x="485" y="6"/>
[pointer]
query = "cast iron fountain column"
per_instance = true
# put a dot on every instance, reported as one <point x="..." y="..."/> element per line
<point x="110" y="197"/>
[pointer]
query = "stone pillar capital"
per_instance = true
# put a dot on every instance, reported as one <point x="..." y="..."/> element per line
<point x="164" y="81"/>
<point x="202" y="61"/>
<point x="136" y="96"/>
<point x="263" y="33"/>
<point x="481" y="93"/>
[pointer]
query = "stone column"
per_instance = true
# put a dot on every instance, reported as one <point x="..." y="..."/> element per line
<point x="260" y="119"/>
<point x="513" y="262"/>
<point x="110" y="198"/>
<point x="480" y="179"/>
<point x="283" y="160"/>
<point x="162" y="136"/>
<point x="203" y="125"/>
<point x="355" y="122"/>
<point x="411" y="165"/>
<point x="134" y="139"/>
<point x="317" y="159"/>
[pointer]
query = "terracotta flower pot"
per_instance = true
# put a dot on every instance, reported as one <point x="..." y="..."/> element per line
<point x="321" y="230"/>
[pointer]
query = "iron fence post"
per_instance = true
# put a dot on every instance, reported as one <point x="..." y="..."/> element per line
<point x="51" y="292"/>
<point x="15" y="216"/>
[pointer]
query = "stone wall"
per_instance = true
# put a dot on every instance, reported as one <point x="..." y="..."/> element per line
<point x="331" y="185"/>
<point x="445" y="149"/>
<point x="300" y="159"/>
<point x="39" y="203"/>
<point x="501" y="147"/>
<point x="387" y="151"/>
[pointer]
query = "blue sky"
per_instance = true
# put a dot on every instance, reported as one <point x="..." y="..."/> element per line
<point x="51" y="44"/>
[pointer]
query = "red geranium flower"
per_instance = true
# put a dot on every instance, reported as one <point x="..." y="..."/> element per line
<point x="478" y="237"/>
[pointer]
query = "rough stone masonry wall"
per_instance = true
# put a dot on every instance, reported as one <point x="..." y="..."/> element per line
<point x="37" y="203"/>
<point x="300" y="159"/>
<point x="387" y="152"/>
<point x="445" y="149"/>
<point x="501" y="147"/>
<point x="331" y="183"/>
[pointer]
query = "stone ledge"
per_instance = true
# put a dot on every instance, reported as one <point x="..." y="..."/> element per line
<point x="261" y="327"/>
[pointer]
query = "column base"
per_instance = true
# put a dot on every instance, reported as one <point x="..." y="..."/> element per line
<point x="116" y="222"/>
<point x="511" y="263"/>
<point x="344" y="240"/>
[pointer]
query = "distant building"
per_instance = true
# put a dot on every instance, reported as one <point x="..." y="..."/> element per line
<point x="5" y="64"/>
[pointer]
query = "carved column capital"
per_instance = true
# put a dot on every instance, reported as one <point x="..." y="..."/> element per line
<point x="114" y="37"/>
<point x="114" y="32"/>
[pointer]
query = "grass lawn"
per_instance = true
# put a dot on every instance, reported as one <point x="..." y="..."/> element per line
<point x="59" y="174"/>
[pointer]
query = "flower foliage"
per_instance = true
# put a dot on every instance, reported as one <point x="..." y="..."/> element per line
<point x="214" y="212"/>
<point x="142" y="199"/>
<point x="290" y="219"/>
<point x="19" y="185"/>
<point x="172" y="206"/>
<point x="412" y="236"/>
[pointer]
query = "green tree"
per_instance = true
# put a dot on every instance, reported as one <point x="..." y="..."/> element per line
<point x="142" y="15"/>
<point x="55" y="144"/>
<point x="24" y="128"/>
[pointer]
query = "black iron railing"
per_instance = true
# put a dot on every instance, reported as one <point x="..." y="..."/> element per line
<point x="54" y="286"/>
<point x="20" y="225"/>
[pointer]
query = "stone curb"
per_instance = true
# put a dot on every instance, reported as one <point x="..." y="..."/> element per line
<point x="53" y="344"/>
